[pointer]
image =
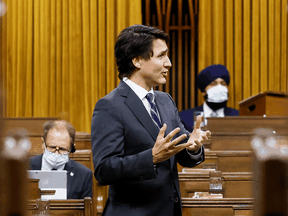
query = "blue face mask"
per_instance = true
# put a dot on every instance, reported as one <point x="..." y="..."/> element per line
<point x="55" y="160"/>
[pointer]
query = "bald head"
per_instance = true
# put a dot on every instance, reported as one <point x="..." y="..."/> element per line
<point x="60" y="126"/>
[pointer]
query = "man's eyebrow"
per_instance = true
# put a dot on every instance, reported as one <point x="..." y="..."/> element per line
<point x="164" y="51"/>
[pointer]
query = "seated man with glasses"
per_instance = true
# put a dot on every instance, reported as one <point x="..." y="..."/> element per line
<point x="57" y="142"/>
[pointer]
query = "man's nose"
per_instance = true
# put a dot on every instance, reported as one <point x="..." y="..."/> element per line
<point x="167" y="63"/>
<point x="56" y="152"/>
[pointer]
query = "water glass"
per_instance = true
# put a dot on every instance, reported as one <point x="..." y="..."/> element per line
<point x="42" y="207"/>
<point x="215" y="182"/>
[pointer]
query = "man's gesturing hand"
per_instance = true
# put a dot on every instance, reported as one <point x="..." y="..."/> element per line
<point x="164" y="148"/>
<point x="197" y="136"/>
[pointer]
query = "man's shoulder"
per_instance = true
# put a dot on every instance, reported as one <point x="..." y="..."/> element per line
<point x="162" y="95"/>
<point x="36" y="159"/>
<point x="36" y="162"/>
<point x="231" y="112"/>
<point x="115" y="94"/>
<point x="80" y="167"/>
<point x="189" y="111"/>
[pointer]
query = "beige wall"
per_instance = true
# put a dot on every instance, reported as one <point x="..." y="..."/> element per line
<point x="59" y="55"/>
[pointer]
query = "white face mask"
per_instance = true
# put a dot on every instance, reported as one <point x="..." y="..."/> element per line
<point x="217" y="94"/>
<point x="55" y="160"/>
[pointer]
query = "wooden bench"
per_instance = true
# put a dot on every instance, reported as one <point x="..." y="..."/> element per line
<point x="80" y="207"/>
<point x="218" y="207"/>
<point x="235" y="185"/>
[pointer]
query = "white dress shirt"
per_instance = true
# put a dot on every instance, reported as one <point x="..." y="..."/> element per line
<point x="208" y="112"/>
<point x="141" y="93"/>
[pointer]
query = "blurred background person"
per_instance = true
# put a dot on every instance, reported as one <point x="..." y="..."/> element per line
<point x="57" y="142"/>
<point x="213" y="82"/>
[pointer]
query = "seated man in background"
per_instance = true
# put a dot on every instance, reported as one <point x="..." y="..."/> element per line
<point x="213" y="82"/>
<point x="58" y="141"/>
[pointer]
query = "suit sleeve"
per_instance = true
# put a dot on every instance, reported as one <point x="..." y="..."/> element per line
<point x="184" y="158"/>
<point x="107" y="139"/>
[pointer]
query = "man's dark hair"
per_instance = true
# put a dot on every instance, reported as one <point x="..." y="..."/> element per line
<point x="135" y="41"/>
<point x="59" y="125"/>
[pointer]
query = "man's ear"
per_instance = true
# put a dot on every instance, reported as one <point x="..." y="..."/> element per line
<point x="43" y="143"/>
<point x="136" y="62"/>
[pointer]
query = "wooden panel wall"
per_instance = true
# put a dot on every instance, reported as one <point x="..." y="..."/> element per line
<point x="250" y="38"/>
<point x="177" y="18"/>
<point x="58" y="55"/>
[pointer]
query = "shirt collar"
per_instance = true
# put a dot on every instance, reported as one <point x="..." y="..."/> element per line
<point x="139" y="91"/>
<point x="207" y="111"/>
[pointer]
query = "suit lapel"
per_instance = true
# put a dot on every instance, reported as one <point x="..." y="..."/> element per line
<point x="138" y="109"/>
<point x="37" y="164"/>
<point x="165" y="114"/>
<point x="70" y="176"/>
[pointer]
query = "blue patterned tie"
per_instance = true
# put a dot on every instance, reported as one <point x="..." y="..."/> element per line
<point x="154" y="112"/>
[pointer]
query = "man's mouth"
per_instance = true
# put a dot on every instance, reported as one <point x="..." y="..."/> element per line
<point x="165" y="73"/>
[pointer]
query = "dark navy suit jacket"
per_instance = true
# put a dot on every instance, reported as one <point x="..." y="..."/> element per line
<point x="187" y="116"/>
<point x="123" y="135"/>
<point x="79" y="177"/>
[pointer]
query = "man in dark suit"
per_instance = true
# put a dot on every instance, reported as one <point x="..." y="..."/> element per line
<point x="137" y="136"/>
<point x="213" y="82"/>
<point x="58" y="141"/>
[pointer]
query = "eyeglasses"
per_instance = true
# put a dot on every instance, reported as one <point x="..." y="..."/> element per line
<point x="57" y="148"/>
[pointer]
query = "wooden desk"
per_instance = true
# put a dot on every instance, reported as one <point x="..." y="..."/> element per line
<point x="228" y="161"/>
<point x="235" y="185"/>
<point x="218" y="207"/>
<point x="81" y="207"/>
<point x="239" y="141"/>
<point x="270" y="103"/>
<point x="33" y="188"/>
<point x="246" y="124"/>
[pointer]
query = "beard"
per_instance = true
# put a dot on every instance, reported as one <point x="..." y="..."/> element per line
<point x="215" y="106"/>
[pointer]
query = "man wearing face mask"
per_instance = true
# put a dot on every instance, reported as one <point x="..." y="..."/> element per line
<point x="213" y="82"/>
<point x="57" y="142"/>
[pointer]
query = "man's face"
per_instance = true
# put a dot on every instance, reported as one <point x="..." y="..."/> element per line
<point x="58" y="140"/>
<point x="215" y="83"/>
<point x="153" y="71"/>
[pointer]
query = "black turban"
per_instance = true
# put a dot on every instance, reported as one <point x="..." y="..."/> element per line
<point x="211" y="73"/>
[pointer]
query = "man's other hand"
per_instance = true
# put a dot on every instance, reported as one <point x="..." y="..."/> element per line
<point x="197" y="137"/>
<point x="164" y="148"/>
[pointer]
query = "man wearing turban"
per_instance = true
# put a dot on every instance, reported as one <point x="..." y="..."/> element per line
<point x="213" y="82"/>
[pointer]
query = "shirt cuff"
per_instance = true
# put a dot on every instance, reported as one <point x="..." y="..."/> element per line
<point x="195" y="155"/>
